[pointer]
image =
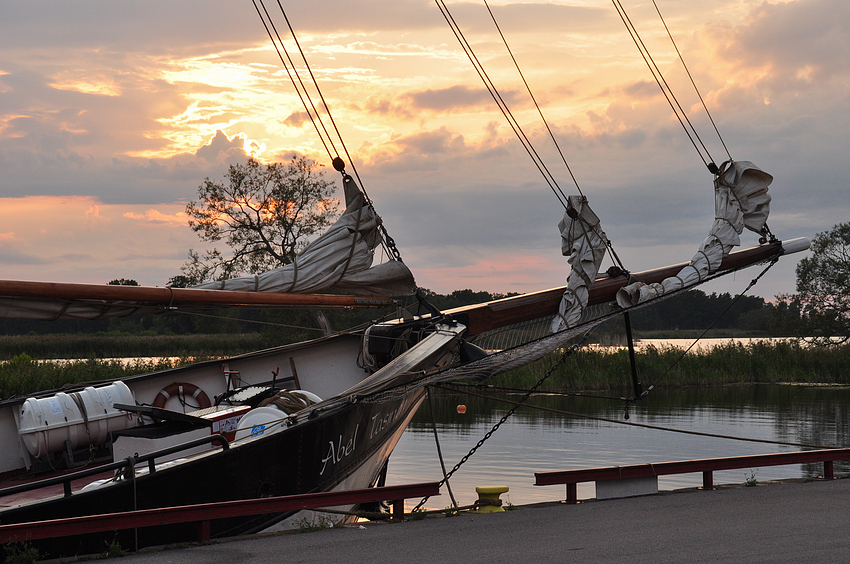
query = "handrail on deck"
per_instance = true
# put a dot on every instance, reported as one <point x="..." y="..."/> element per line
<point x="150" y="458"/>
<point x="706" y="465"/>
<point x="202" y="514"/>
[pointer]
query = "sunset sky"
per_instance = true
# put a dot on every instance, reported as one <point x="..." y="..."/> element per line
<point x="113" y="113"/>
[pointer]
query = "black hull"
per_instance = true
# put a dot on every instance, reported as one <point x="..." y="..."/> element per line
<point x="346" y="444"/>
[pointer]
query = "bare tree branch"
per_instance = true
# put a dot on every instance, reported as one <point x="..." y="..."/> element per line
<point x="264" y="214"/>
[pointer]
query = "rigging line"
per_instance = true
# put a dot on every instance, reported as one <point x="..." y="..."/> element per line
<point x="648" y="426"/>
<point x="437" y="441"/>
<point x="567" y="352"/>
<point x="290" y="75"/>
<point x="687" y="70"/>
<point x="658" y="74"/>
<point x="385" y="241"/>
<point x="738" y="297"/>
<point x="514" y="125"/>
<point x="503" y="107"/>
<point x="533" y="99"/>
<point x="489" y="388"/>
<point x="350" y="331"/>
<point x="324" y="103"/>
<point x="647" y="57"/>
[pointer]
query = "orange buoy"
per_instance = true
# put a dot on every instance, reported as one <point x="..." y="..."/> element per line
<point x="461" y="409"/>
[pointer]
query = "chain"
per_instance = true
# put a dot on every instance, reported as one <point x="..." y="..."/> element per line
<point x="504" y="418"/>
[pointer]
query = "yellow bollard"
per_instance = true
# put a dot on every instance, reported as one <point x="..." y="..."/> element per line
<point x="488" y="498"/>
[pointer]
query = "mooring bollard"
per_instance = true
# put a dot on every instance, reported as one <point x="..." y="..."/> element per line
<point x="488" y="498"/>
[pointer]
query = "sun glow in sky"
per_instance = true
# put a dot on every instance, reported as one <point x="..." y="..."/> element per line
<point x="112" y="115"/>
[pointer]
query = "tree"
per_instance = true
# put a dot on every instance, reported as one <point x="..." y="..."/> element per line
<point x="264" y="214"/>
<point x="122" y="282"/>
<point x="823" y="287"/>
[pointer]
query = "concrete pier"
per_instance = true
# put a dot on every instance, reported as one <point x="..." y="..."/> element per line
<point x="771" y="522"/>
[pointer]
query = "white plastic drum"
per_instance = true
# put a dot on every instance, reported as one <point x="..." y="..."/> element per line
<point x="259" y="421"/>
<point x="81" y="418"/>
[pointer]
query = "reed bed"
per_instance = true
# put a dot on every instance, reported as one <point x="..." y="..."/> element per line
<point x="732" y="363"/>
<point x="109" y="345"/>
<point x="587" y="369"/>
<point x="24" y="375"/>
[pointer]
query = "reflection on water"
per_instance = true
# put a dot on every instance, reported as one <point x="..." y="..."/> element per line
<point x="537" y="441"/>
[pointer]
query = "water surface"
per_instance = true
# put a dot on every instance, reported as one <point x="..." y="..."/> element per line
<point x="537" y="441"/>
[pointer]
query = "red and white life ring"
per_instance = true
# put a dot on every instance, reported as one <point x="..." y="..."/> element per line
<point x="182" y="390"/>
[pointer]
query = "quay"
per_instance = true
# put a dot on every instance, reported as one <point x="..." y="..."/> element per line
<point x="789" y="521"/>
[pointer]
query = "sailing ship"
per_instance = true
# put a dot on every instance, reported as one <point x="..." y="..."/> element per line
<point x="325" y="414"/>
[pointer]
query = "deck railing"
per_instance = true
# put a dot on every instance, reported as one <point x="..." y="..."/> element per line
<point x="707" y="466"/>
<point x="202" y="514"/>
<point x="66" y="479"/>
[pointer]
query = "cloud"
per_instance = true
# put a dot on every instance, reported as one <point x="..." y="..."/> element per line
<point x="221" y="148"/>
<point x="115" y="113"/>
<point x="452" y="98"/>
<point x="154" y="216"/>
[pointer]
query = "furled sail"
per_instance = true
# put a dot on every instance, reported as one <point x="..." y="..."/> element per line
<point x="584" y="242"/>
<point x="341" y="259"/>
<point x="741" y="200"/>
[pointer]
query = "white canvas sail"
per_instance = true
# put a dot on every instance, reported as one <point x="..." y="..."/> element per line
<point x="583" y="240"/>
<point x="341" y="259"/>
<point x="741" y="200"/>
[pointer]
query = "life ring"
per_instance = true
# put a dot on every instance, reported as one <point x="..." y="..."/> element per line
<point x="182" y="389"/>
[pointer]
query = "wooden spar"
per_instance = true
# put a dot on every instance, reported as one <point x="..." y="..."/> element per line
<point x="176" y="297"/>
<point x="516" y="309"/>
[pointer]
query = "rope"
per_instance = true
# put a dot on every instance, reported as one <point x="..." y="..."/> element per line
<point x="293" y="75"/>
<point x="313" y="113"/>
<point x="688" y="71"/>
<point x="567" y="352"/>
<point x="752" y="283"/>
<point x="288" y="402"/>
<point x="533" y="99"/>
<point x="647" y="426"/>
<point x="500" y="102"/>
<point x="439" y="450"/>
<point x="662" y="83"/>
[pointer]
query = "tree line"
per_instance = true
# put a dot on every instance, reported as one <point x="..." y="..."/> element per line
<point x="691" y="310"/>
<point x="264" y="214"/>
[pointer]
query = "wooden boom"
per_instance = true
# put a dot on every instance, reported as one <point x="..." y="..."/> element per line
<point x="516" y="309"/>
<point x="176" y="297"/>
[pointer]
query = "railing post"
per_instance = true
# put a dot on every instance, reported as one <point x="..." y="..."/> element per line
<point x="203" y="531"/>
<point x="398" y="509"/>
<point x="708" y="480"/>
<point x="828" y="473"/>
<point x="572" y="493"/>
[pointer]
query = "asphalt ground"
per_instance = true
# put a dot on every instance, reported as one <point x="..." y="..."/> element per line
<point x="793" y="521"/>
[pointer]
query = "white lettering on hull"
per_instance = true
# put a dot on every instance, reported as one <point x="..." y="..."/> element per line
<point x="381" y="421"/>
<point x="338" y="451"/>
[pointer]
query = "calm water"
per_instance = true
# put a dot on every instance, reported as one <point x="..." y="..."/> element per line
<point x="536" y="441"/>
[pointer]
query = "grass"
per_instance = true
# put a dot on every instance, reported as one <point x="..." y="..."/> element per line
<point x="24" y="375"/>
<point x="118" y="345"/>
<point x="318" y="523"/>
<point x="588" y="369"/>
<point x="21" y="553"/>
<point x="733" y="363"/>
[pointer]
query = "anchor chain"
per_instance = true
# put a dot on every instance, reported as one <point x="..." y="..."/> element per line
<point x="504" y="418"/>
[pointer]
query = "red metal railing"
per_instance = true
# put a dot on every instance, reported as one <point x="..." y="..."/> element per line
<point x="707" y="466"/>
<point x="204" y="513"/>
